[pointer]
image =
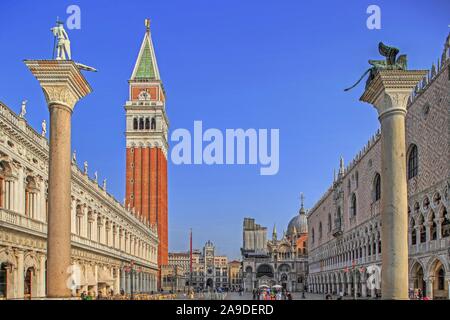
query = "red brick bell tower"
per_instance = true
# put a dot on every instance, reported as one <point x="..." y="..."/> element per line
<point x="146" y="141"/>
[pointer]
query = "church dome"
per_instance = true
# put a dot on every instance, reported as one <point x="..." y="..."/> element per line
<point x="298" y="224"/>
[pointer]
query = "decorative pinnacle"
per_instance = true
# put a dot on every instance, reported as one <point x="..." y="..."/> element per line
<point x="147" y="25"/>
<point x="302" y="199"/>
<point x="341" y="166"/>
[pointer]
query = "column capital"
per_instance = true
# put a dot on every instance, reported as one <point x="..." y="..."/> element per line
<point x="61" y="81"/>
<point x="390" y="89"/>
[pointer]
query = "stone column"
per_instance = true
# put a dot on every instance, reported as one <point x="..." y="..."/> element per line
<point x="448" y="288"/>
<point x="389" y="91"/>
<point x="20" y="275"/>
<point x="117" y="281"/>
<point x="417" y="231"/>
<point x="41" y="292"/>
<point x="429" y="285"/>
<point x="349" y="288"/>
<point x="438" y="222"/>
<point x="63" y="85"/>
<point x="363" y="289"/>
<point x="427" y="226"/>
<point x="122" y="280"/>
<point x="128" y="281"/>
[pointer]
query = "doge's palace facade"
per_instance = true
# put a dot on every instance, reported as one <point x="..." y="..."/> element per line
<point x="345" y="224"/>
<point x="113" y="249"/>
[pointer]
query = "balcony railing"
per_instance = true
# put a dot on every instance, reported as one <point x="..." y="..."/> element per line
<point x="20" y="221"/>
<point x="433" y="245"/>
<point x="16" y="221"/>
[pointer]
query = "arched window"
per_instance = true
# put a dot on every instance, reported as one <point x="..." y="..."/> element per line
<point x="79" y="216"/>
<point x="30" y="197"/>
<point x="147" y="123"/>
<point x="356" y="179"/>
<point x="153" y="127"/>
<point x="413" y="232"/>
<point x="312" y="235"/>
<point x="338" y="220"/>
<point x="99" y="229"/>
<point x="135" y="123"/>
<point x="141" y="123"/>
<point x="441" y="278"/>
<point x="320" y="230"/>
<point x="2" y="179"/>
<point x="377" y="187"/>
<point x="445" y="224"/>
<point x="3" y="280"/>
<point x="413" y="161"/>
<point x="423" y="232"/>
<point x="353" y="206"/>
<point x="330" y="226"/>
<point x="433" y="230"/>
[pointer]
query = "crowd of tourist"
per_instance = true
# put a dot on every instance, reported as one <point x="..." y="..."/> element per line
<point x="265" y="293"/>
<point x="126" y="296"/>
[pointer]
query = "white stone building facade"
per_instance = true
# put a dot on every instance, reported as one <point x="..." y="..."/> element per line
<point x="345" y="224"/>
<point x="110" y="244"/>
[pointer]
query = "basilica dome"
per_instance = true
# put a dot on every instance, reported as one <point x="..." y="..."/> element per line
<point x="298" y="224"/>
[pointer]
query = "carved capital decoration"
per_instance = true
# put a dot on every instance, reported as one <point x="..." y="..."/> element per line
<point x="61" y="81"/>
<point x="390" y="89"/>
<point x="61" y="95"/>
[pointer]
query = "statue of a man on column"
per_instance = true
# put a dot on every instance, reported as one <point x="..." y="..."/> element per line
<point x="62" y="42"/>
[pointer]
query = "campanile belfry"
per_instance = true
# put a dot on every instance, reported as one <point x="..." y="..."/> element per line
<point x="146" y="143"/>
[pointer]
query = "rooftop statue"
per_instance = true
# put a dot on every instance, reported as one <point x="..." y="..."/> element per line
<point x="23" y="109"/>
<point x="44" y="128"/>
<point x="390" y="63"/>
<point x="62" y="42"/>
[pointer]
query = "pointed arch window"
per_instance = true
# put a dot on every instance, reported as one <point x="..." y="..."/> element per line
<point x="377" y="187"/>
<point x="135" y="123"/>
<point x="320" y="230"/>
<point x="413" y="232"/>
<point x="330" y="226"/>
<point x="153" y="126"/>
<point x="3" y="279"/>
<point x="141" y="123"/>
<point x="423" y="233"/>
<point x="147" y="123"/>
<point x="413" y="162"/>
<point x="441" y="278"/>
<point x="353" y="206"/>
<point x="445" y="224"/>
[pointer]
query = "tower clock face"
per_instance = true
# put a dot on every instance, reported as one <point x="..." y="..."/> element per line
<point x="144" y="93"/>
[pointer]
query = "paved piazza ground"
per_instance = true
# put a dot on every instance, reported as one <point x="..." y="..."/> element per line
<point x="295" y="296"/>
<point x="248" y="296"/>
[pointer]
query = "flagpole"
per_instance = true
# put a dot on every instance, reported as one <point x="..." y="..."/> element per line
<point x="190" y="260"/>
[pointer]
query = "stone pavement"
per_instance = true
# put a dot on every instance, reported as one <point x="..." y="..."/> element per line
<point x="295" y="296"/>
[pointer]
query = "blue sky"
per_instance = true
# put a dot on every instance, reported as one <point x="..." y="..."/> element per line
<point x="231" y="64"/>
